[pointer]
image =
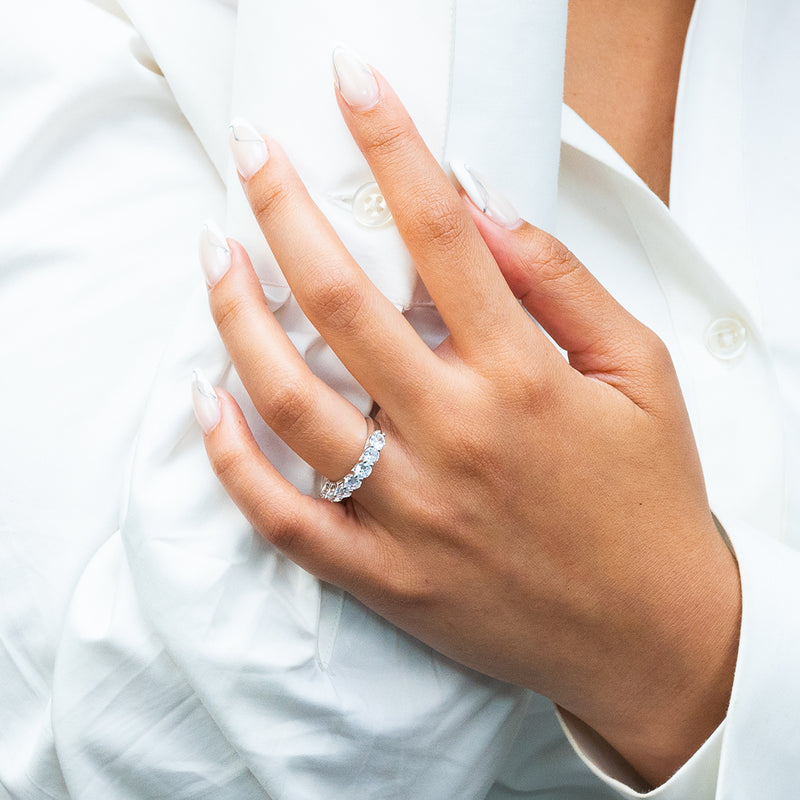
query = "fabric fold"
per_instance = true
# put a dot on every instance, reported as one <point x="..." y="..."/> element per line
<point x="313" y="693"/>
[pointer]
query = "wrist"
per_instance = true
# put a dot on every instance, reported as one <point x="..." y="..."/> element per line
<point x="672" y="689"/>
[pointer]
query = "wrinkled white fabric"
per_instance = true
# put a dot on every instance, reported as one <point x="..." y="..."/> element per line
<point x="152" y="646"/>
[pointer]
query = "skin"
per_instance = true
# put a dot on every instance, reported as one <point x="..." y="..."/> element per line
<point x="622" y="68"/>
<point x="578" y="556"/>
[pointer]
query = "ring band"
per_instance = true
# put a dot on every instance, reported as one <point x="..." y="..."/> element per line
<point x="336" y="491"/>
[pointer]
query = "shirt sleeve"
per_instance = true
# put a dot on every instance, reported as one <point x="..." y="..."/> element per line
<point x="755" y="752"/>
<point x="696" y="779"/>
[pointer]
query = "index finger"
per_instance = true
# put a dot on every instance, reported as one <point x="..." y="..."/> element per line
<point x="454" y="262"/>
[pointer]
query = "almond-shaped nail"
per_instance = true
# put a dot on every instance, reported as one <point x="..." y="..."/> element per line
<point x="485" y="197"/>
<point x="215" y="255"/>
<point x="354" y="79"/>
<point x="249" y="149"/>
<point x="205" y="402"/>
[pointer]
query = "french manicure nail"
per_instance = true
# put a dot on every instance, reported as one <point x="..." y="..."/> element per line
<point x="205" y="402"/>
<point x="354" y="78"/>
<point x="486" y="198"/>
<point x="249" y="149"/>
<point x="215" y="255"/>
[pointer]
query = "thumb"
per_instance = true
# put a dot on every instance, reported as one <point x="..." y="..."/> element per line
<point x="599" y="335"/>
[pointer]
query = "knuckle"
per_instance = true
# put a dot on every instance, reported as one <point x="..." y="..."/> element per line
<point x="228" y="312"/>
<point x="467" y="450"/>
<point x="388" y="141"/>
<point x="336" y="299"/>
<point x="544" y="397"/>
<point x="267" y="198"/>
<point x="548" y="258"/>
<point x="289" y="406"/>
<point x="227" y="464"/>
<point x="555" y="263"/>
<point x="521" y="388"/>
<point x="657" y="352"/>
<point x="441" y="224"/>
<point x="281" y="529"/>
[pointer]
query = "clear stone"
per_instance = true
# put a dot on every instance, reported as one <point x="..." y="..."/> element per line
<point x="377" y="440"/>
<point x="351" y="483"/>
<point x="370" y="456"/>
<point x="362" y="470"/>
<point x="341" y="490"/>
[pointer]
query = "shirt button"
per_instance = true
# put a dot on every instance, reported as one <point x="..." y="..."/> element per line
<point x="726" y="338"/>
<point x="369" y="207"/>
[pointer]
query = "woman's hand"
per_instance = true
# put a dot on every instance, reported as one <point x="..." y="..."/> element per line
<point x="541" y="521"/>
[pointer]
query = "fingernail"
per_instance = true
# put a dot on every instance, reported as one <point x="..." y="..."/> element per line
<point x="487" y="199"/>
<point x="354" y="79"/>
<point x="249" y="149"/>
<point x="215" y="255"/>
<point x="205" y="402"/>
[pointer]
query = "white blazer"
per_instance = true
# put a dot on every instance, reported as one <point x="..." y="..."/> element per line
<point x="192" y="659"/>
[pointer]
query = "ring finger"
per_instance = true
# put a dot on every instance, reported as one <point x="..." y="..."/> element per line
<point x="323" y="428"/>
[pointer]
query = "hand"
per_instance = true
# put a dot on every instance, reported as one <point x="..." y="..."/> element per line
<point x="543" y="522"/>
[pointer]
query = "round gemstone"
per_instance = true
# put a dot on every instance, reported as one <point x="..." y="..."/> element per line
<point x="370" y="456"/>
<point x="362" y="470"/>
<point x="377" y="440"/>
<point x="351" y="483"/>
<point x="339" y="494"/>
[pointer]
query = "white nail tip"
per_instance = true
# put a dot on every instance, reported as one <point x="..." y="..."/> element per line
<point x="215" y="255"/>
<point x="354" y="78"/>
<point x="486" y="198"/>
<point x="249" y="149"/>
<point x="205" y="402"/>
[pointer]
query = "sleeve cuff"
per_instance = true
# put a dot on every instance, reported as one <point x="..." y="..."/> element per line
<point x="754" y="752"/>
<point x="697" y="778"/>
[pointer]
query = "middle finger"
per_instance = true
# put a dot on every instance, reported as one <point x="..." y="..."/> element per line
<point x="456" y="266"/>
<point x="371" y="337"/>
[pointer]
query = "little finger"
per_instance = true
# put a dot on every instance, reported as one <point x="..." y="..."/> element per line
<point x="321" y="537"/>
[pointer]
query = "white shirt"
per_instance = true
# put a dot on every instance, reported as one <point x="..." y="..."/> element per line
<point x="181" y="656"/>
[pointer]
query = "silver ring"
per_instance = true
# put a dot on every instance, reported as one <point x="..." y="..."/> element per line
<point x="336" y="491"/>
